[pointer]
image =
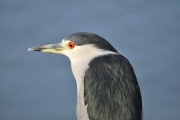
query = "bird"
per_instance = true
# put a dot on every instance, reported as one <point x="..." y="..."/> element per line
<point x="107" y="87"/>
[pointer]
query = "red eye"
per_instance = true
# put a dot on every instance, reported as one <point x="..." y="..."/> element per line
<point x="71" y="45"/>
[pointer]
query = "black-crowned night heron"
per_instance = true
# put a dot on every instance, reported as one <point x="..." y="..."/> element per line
<point x="107" y="87"/>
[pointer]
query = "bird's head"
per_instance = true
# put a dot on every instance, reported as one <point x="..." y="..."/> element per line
<point x="78" y="45"/>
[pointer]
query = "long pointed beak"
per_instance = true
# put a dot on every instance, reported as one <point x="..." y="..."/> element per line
<point x="53" y="48"/>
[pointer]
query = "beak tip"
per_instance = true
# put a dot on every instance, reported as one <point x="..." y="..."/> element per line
<point x="30" y="49"/>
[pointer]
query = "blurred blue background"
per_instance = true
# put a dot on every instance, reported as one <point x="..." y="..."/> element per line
<point x="40" y="86"/>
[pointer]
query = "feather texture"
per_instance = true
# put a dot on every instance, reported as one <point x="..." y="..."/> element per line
<point x="111" y="89"/>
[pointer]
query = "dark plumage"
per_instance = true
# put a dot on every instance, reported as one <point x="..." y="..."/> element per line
<point x="82" y="38"/>
<point x="111" y="89"/>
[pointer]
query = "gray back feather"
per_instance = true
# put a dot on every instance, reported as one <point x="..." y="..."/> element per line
<point x="111" y="89"/>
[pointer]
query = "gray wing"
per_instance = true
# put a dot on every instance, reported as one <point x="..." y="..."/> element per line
<point x="111" y="89"/>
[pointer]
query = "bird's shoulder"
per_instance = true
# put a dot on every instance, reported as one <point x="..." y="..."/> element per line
<point x="107" y="88"/>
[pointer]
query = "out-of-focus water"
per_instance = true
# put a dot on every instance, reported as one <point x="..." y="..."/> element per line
<point x="40" y="86"/>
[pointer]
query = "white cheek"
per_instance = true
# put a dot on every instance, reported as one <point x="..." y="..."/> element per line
<point x="71" y="54"/>
<point x="85" y="53"/>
